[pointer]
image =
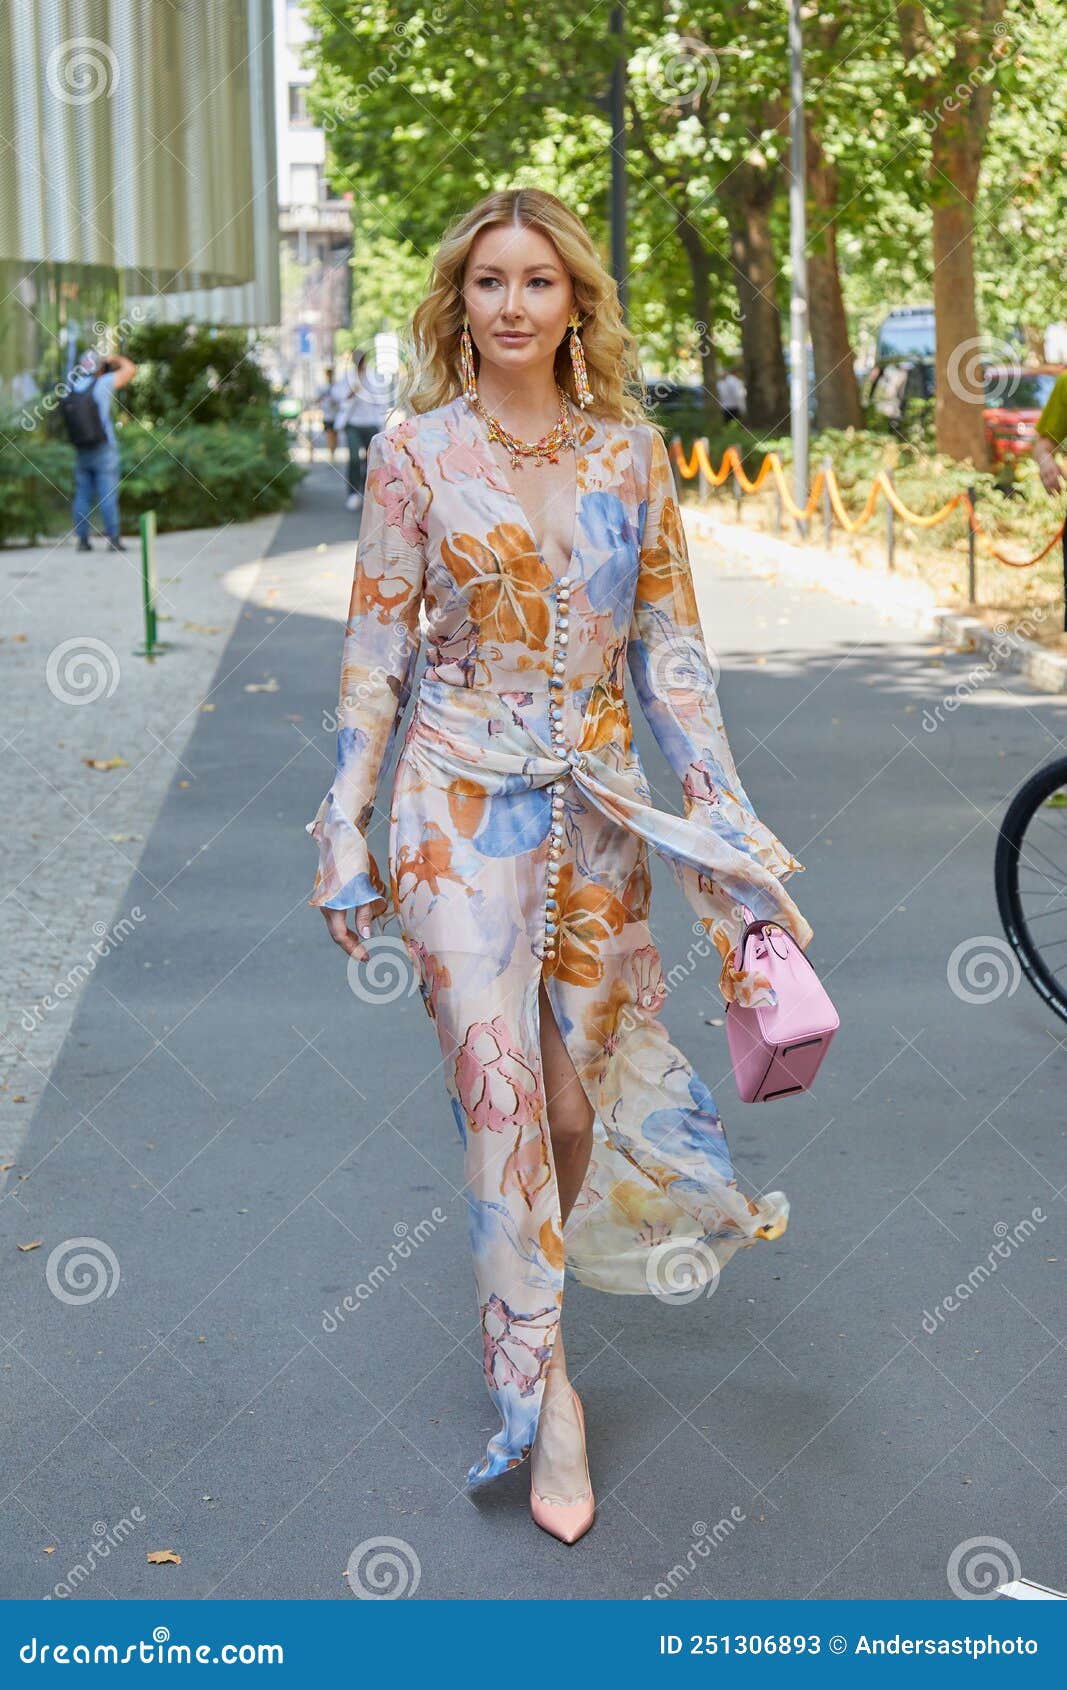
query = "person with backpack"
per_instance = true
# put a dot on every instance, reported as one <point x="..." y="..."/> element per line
<point x="86" y="410"/>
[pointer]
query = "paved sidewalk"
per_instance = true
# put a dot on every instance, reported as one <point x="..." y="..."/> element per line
<point x="275" y="1359"/>
<point x="73" y="690"/>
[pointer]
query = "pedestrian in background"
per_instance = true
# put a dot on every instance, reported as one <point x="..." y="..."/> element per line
<point x="328" y="402"/>
<point x="1051" y="436"/>
<point x="96" y="447"/>
<point x="364" y="412"/>
<point x="730" y="390"/>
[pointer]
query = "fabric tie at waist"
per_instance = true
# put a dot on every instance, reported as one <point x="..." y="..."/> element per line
<point x="474" y="735"/>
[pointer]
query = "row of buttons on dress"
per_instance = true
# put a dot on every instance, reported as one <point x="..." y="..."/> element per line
<point x="559" y="745"/>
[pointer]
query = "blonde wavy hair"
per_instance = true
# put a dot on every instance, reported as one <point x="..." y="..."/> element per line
<point x="611" y="354"/>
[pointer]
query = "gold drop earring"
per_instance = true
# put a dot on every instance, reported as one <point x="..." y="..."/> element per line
<point x="466" y="361"/>
<point x="581" y="376"/>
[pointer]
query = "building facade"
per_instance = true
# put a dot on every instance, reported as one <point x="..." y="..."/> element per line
<point x="315" y="229"/>
<point x="139" y="174"/>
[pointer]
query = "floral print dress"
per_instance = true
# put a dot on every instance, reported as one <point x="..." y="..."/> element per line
<point x="519" y="830"/>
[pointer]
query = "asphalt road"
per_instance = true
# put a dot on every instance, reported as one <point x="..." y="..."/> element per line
<point x="248" y="1141"/>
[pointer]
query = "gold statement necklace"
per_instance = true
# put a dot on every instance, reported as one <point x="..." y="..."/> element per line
<point x="545" y="450"/>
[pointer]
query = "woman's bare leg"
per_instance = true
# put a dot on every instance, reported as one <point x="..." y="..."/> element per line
<point x="557" y="1458"/>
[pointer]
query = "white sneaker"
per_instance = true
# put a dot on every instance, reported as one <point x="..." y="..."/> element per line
<point x="353" y="502"/>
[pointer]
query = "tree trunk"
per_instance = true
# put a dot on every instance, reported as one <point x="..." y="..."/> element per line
<point x="959" y="398"/>
<point x="747" y="196"/>
<point x="837" y="399"/>
<point x="957" y="100"/>
<point x="704" y="309"/>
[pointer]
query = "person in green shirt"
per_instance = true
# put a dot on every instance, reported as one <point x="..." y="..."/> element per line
<point x="1052" y="436"/>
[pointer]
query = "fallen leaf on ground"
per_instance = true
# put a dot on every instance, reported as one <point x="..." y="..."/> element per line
<point x="36" y="1245"/>
<point x="262" y="686"/>
<point x="158" y="1556"/>
<point x="106" y="762"/>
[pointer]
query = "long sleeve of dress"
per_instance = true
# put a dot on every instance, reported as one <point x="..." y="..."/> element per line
<point x="381" y="648"/>
<point x="676" y="686"/>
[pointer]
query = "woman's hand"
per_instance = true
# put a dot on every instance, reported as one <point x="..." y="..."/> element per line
<point x="340" y="933"/>
<point x="1044" y="452"/>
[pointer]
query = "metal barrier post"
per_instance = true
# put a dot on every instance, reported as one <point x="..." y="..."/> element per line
<point x="890" y="529"/>
<point x="827" y="508"/>
<point x="703" y="488"/>
<point x="737" y="497"/>
<point x="778" y="512"/>
<point x="972" y="584"/>
<point x="151" y="645"/>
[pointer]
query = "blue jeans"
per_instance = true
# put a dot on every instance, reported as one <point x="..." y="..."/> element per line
<point x="358" y="437"/>
<point x="96" y="485"/>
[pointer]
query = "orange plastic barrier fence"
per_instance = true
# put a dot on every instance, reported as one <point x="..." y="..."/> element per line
<point x="771" y="468"/>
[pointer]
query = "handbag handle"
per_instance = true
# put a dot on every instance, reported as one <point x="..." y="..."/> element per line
<point x="756" y="924"/>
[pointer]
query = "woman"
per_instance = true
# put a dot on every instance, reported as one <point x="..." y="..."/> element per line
<point x="364" y="412"/>
<point x="521" y="816"/>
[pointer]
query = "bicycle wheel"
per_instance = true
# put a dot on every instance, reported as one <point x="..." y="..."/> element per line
<point x="1031" y="881"/>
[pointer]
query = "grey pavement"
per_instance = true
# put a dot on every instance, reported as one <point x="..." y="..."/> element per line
<point x="246" y="1140"/>
<point x="75" y="689"/>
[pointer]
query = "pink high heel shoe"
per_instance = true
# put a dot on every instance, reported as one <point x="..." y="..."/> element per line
<point x="566" y="1520"/>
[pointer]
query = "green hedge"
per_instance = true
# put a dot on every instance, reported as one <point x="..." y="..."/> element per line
<point x="196" y="476"/>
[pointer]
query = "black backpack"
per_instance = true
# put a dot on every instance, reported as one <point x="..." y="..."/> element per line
<point x="81" y="413"/>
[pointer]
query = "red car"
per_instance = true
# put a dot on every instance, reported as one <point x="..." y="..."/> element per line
<point x="1015" y="398"/>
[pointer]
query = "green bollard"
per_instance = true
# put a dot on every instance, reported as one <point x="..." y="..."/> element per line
<point x="151" y="646"/>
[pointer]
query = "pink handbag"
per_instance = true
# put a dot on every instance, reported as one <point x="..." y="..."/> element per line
<point x="778" y="1049"/>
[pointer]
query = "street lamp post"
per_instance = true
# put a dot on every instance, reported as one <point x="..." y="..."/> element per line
<point x="617" y="103"/>
<point x="798" y="310"/>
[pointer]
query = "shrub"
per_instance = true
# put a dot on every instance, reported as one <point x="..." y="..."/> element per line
<point x="193" y="477"/>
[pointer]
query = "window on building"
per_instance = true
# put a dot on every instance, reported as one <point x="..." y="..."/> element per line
<point x="305" y="184"/>
<point x="299" y="116"/>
